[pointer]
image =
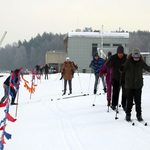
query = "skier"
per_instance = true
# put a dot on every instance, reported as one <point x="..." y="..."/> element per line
<point x="133" y="68"/>
<point x="96" y="64"/>
<point x="118" y="78"/>
<point x="67" y="72"/>
<point x="11" y="84"/>
<point x="106" y="70"/>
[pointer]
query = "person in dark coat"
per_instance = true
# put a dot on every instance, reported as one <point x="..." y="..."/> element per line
<point x="67" y="72"/>
<point x="96" y="64"/>
<point x="118" y="78"/>
<point x="46" y="71"/>
<point x="133" y="68"/>
<point x="11" y="83"/>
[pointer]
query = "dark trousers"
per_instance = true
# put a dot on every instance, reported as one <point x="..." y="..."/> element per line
<point x="46" y="76"/>
<point x="12" y="93"/>
<point x="97" y="81"/>
<point x="116" y="91"/>
<point x="133" y="95"/>
<point x="65" y="85"/>
<point x="6" y="89"/>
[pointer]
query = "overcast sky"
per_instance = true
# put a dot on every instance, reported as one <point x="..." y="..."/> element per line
<point x="23" y="19"/>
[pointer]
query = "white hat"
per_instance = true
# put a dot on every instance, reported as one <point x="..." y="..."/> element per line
<point x="67" y="58"/>
<point x="136" y="54"/>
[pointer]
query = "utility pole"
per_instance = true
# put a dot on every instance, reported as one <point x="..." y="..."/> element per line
<point x="3" y="37"/>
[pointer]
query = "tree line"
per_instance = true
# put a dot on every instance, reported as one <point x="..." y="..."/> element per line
<point x="28" y="54"/>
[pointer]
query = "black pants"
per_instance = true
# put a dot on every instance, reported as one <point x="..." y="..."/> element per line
<point x="116" y="91"/>
<point x="65" y="85"/>
<point x="13" y="92"/>
<point x="46" y="76"/>
<point x="133" y="95"/>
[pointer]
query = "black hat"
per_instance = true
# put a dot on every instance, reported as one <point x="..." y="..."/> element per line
<point x="120" y="49"/>
<point x="16" y="71"/>
<point x="96" y="54"/>
<point x="109" y="54"/>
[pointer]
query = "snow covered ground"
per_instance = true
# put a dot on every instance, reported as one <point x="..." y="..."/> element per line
<point x="45" y="123"/>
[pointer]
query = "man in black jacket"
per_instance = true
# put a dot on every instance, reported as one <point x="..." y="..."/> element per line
<point x="118" y="78"/>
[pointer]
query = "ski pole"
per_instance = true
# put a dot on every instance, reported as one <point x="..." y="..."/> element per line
<point x="94" y="100"/>
<point x="79" y="82"/>
<point x="116" y="117"/>
<point x="17" y="103"/>
<point x="89" y="84"/>
<point x="95" y="95"/>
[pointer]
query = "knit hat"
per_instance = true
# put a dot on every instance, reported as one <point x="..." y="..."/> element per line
<point x="96" y="54"/>
<point x="109" y="54"/>
<point x="67" y="58"/>
<point x="120" y="49"/>
<point x="136" y="54"/>
<point x="16" y="71"/>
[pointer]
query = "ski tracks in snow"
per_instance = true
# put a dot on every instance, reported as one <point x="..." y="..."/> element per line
<point x="69" y="133"/>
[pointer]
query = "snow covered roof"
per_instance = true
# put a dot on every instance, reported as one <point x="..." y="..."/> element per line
<point x="145" y="53"/>
<point x="99" y="34"/>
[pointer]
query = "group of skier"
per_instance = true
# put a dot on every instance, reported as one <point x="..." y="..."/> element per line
<point x="118" y="71"/>
<point x="122" y="72"/>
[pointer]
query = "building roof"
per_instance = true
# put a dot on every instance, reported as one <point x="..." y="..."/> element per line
<point x="99" y="34"/>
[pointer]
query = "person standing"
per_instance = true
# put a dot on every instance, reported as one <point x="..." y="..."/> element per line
<point x="118" y="78"/>
<point x="11" y="85"/>
<point x="67" y="72"/>
<point x="133" y="68"/>
<point x="96" y="64"/>
<point x="46" y="71"/>
<point x="107" y="71"/>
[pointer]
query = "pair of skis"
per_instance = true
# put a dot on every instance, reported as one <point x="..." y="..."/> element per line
<point x="70" y="96"/>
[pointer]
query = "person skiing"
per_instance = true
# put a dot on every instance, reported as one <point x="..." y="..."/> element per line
<point x="133" y="69"/>
<point x="67" y="72"/>
<point x="118" y="78"/>
<point x="106" y="70"/>
<point x="96" y="64"/>
<point x="11" y="84"/>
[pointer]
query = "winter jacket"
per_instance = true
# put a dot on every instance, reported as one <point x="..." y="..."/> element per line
<point x="67" y="70"/>
<point x="96" y="65"/>
<point x="134" y="73"/>
<point x="108" y="71"/>
<point x="115" y="63"/>
<point x="46" y="69"/>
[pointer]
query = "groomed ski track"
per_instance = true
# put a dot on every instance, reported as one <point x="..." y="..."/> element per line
<point x="73" y="124"/>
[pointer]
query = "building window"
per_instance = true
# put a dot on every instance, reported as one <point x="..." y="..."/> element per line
<point x="116" y="45"/>
<point x="106" y="45"/>
<point x="94" y="49"/>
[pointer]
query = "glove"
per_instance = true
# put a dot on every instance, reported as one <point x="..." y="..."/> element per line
<point x="61" y="77"/>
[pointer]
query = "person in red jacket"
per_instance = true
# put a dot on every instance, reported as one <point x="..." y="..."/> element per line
<point x="106" y="70"/>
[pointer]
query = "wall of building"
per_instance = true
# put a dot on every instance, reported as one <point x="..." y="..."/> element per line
<point x="55" y="59"/>
<point x="79" y="48"/>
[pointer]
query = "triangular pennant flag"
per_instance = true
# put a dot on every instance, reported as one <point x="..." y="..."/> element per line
<point x="7" y="135"/>
<point x="2" y="140"/>
<point x="3" y="127"/>
<point x="10" y="118"/>
<point x="4" y="103"/>
<point x="1" y="146"/>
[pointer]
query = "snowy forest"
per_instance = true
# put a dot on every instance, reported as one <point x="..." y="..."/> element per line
<point x="30" y="53"/>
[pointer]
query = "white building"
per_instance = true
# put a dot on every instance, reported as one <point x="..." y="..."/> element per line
<point x="81" y="46"/>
